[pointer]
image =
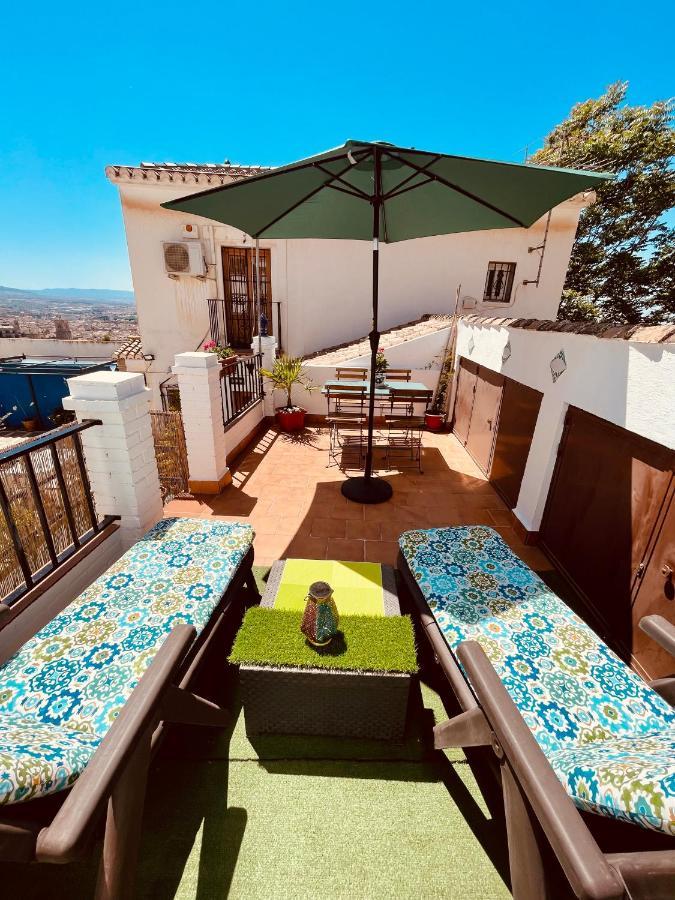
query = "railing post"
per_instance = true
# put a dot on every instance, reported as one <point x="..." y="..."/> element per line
<point x="120" y="453"/>
<point x="201" y="404"/>
<point x="268" y="347"/>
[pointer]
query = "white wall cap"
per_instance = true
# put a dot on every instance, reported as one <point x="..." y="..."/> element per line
<point x="138" y="402"/>
<point x="199" y="359"/>
<point x="106" y="385"/>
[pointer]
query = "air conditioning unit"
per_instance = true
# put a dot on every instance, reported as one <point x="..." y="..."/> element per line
<point x="184" y="258"/>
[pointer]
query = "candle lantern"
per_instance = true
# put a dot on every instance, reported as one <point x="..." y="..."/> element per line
<point x="320" y="619"/>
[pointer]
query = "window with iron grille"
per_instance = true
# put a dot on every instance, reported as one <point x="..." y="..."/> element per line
<point x="499" y="282"/>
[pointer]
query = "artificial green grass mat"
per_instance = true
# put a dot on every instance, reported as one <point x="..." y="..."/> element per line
<point x="272" y="637"/>
<point x="357" y="586"/>
<point x="252" y="828"/>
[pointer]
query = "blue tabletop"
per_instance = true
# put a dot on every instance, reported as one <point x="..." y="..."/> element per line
<point x="381" y="390"/>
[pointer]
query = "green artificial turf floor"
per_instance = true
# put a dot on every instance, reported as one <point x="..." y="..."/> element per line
<point x="301" y="817"/>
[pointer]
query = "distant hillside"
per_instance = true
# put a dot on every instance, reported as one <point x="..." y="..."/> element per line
<point x="78" y="295"/>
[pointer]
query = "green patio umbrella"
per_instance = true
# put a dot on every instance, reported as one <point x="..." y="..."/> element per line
<point x="376" y="191"/>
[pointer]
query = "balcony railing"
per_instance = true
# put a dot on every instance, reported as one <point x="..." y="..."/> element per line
<point x="241" y="387"/>
<point x="47" y="510"/>
<point x="227" y="321"/>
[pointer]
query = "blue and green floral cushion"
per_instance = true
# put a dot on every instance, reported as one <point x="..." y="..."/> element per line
<point x="38" y="759"/>
<point x="77" y="672"/>
<point x="571" y="689"/>
<point x="631" y="778"/>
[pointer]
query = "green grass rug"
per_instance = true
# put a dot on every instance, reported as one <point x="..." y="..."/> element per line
<point x="272" y="637"/>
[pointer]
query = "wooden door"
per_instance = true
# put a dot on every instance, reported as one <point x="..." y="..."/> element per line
<point x="605" y="498"/>
<point x="517" y="419"/>
<point x="239" y="286"/>
<point x="484" y="416"/>
<point x="655" y="595"/>
<point x="466" y="387"/>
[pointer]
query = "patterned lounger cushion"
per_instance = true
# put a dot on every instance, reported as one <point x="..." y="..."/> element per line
<point x="608" y="735"/>
<point x="71" y="680"/>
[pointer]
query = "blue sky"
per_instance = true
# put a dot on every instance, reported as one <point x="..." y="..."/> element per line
<point x="83" y="87"/>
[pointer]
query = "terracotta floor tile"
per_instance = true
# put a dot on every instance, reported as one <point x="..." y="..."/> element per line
<point x="381" y="551"/>
<point x="304" y="547"/>
<point x="362" y="530"/>
<point x="328" y="528"/>
<point x="502" y="516"/>
<point x="345" y="550"/>
<point x="448" y="517"/>
<point x="186" y="508"/>
<point x="284" y="487"/>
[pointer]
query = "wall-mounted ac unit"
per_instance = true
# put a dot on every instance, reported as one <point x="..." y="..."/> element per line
<point x="184" y="257"/>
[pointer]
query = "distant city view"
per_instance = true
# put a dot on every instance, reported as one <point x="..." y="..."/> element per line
<point x="68" y="314"/>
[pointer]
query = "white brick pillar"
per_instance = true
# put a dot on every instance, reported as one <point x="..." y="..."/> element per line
<point x="120" y="454"/>
<point x="201" y="406"/>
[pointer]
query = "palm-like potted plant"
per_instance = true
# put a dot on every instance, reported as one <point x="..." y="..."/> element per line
<point x="284" y="374"/>
<point x="227" y="356"/>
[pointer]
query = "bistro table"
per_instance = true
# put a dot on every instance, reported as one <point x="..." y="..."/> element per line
<point x="382" y="391"/>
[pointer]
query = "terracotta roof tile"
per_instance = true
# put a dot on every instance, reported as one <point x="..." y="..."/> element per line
<point x="342" y="353"/>
<point x="646" y="334"/>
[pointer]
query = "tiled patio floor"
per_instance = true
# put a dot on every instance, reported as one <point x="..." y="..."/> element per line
<point x="283" y="486"/>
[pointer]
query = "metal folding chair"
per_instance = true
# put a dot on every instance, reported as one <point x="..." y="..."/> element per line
<point x="399" y="374"/>
<point x="346" y="373"/>
<point x="346" y="420"/>
<point x="404" y="427"/>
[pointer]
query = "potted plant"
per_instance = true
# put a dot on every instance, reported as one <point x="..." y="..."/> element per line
<point x="228" y="358"/>
<point x="381" y="366"/>
<point x="434" y="417"/>
<point x="286" y="372"/>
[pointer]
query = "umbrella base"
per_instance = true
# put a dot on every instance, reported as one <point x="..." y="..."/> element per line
<point x="366" y="490"/>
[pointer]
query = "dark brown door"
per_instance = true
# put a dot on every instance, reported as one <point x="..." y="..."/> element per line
<point x="607" y="491"/>
<point x="466" y="386"/>
<point x="239" y="286"/>
<point x="656" y="595"/>
<point x="484" y="415"/>
<point x="517" y="419"/>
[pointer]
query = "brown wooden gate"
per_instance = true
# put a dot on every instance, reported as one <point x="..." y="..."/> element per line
<point x="239" y="287"/>
<point x="606" y="527"/>
<point x="517" y="418"/>
<point x="170" y="452"/>
<point x="494" y="418"/>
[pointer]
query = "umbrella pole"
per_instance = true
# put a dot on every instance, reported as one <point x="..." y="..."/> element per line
<point x="257" y="291"/>
<point x="366" y="489"/>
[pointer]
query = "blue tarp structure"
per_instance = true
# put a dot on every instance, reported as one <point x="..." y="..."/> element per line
<point x="34" y="388"/>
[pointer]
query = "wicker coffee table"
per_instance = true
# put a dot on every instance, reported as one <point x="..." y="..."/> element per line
<point x="333" y="702"/>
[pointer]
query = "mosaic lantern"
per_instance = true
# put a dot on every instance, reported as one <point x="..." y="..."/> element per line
<point x="320" y="619"/>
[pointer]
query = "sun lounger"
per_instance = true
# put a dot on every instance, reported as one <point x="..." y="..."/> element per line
<point x="570" y="723"/>
<point x="81" y="701"/>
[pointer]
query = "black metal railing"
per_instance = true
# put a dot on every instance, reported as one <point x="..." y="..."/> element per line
<point x="47" y="509"/>
<point x="218" y="322"/>
<point x="241" y="387"/>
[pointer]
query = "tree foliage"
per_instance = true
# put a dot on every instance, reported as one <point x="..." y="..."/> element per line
<point x="623" y="263"/>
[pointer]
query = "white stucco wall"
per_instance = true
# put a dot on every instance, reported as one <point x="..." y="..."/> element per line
<point x="325" y="286"/>
<point x="629" y="383"/>
<point x="50" y="348"/>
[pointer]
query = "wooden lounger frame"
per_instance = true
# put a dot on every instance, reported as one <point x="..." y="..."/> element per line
<point x="531" y="790"/>
<point x="59" y="829"/>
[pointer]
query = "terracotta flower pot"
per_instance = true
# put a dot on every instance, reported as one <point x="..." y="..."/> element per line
<point x="291" y="419"/>
<point x="229" y="364"/>
<point x="433" y="421"/>
<point x="30" y="424"/>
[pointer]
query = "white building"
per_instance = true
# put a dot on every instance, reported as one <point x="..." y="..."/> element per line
<point x="319" y="289"/>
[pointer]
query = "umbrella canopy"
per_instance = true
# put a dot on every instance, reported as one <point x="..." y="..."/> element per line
<point x="376" y="191"/>
<point x="422" y="194"/>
